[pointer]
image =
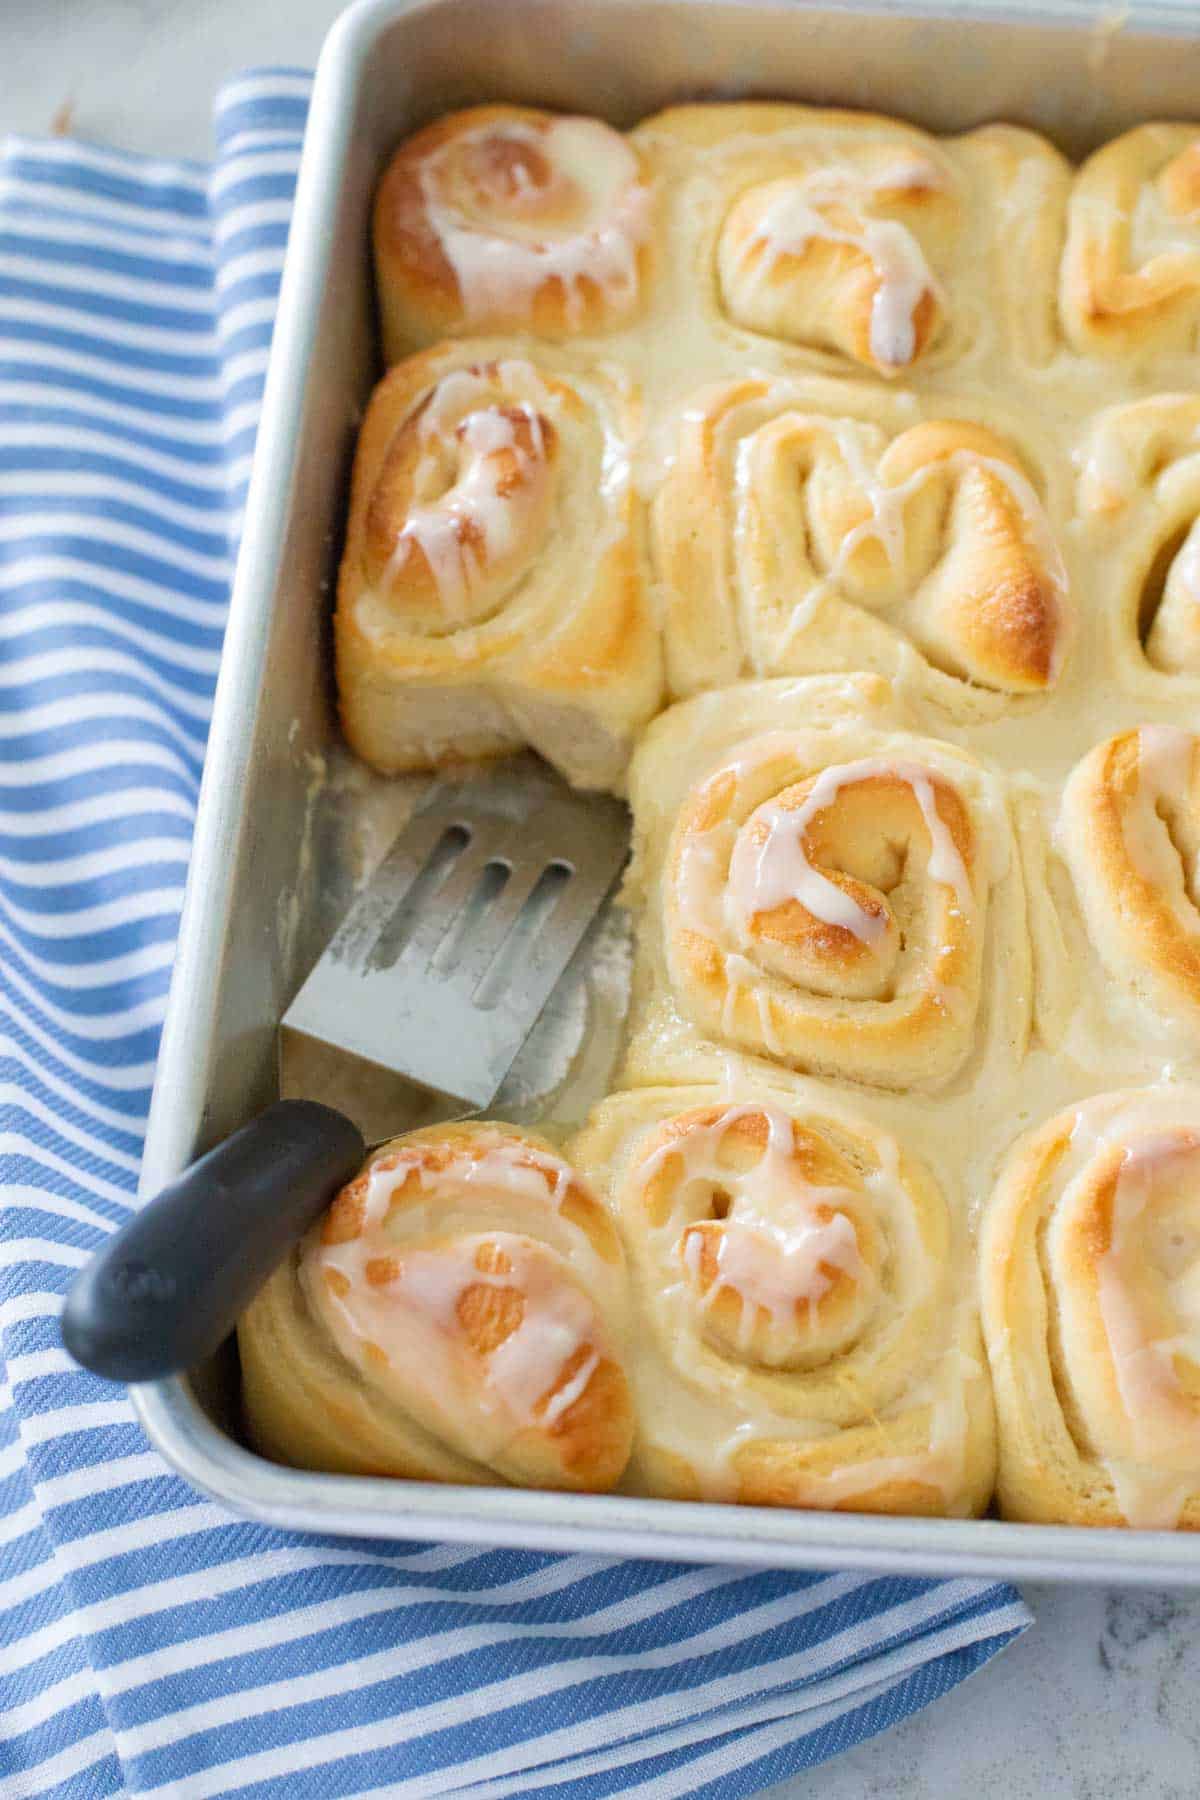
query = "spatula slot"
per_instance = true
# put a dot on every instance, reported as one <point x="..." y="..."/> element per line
<point x="503" y="974"/>
<point x="434" y="873"/>
<point x="461" y="929"/>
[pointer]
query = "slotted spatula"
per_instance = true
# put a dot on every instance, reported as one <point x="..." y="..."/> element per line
<point x="434" y="980"/>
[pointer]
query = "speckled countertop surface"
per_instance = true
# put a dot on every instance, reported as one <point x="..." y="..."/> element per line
<point x="1098" y="1700"/>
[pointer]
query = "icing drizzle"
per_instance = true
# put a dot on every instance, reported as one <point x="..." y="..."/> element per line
<point x="764" y="875"/>
<point x="793" y="218"/>
<point x="501" y="257"/>
<point x="395" y="1294"/>
<point x="774" y="1251"/>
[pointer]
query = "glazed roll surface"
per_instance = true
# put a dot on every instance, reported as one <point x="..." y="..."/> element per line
<point x="460" y="1314"/>
<point x="804" y="1338"/>
<point x="791" y="539"/>
<point x="1089" y="1254"/>
<point x="492" y="591"/>
<point x="842" y="897"/>
<point x="1137" y="511"/>
<point x="851" y="242"/>
<point x="1130" y="286"/>
<point x="831" y="490"/>
<point x="506" y="218"/>
<point x="1130" y="830"/>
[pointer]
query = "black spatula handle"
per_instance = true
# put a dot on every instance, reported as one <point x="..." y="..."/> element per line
<point x="169" y="1287"/>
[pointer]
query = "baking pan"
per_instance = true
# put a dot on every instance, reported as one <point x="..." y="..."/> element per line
<point x="287" y="825"/>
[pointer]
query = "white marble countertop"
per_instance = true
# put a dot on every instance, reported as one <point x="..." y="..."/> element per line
<point x="1098" y="1700"/>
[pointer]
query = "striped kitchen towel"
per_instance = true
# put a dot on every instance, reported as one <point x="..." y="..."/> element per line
<point x="149" y="1643"/>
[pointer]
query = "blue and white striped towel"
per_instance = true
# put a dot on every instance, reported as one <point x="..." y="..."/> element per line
<point x="149" y="1643"/>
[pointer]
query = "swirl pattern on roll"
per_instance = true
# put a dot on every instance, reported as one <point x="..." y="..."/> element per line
<point x="505" y="218"/>
<point x="1130" y="831"/>
<point x="834" y="255"/>
<point x="1138" y="507"/>
<point x="1091" y="1303"/>
<point x="790" y="539"/>
<point x="492" y="591"/>
<point x="1131" y="267"/>
<point x="850" y="242"/>
<point x="832" y="899"/>
<point x="458" y="1314"/>
<point x="802" y="1340"/>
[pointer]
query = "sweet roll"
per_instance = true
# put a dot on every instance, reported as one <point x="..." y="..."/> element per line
<point x="1130" y="285"/>
<point x="804" y="1337"/>
<point x="505" y="218"/>
<point x="834" y="895"/>
<point x="459" y="1314"/>
<point x="492" y="591"/>
<point x="790" y="539"/>
<point x="1090" y="1259"/>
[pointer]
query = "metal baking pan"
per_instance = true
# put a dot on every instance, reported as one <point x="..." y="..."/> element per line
<point x="285" y="824"/>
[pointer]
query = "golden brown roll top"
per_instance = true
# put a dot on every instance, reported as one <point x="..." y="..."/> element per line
<point x="832" y="899"/>
<point x="505" y="218"/>
<point x="1173" y="636"/>
<point x="459" y="1314"/>
<point x="853" y="242"/>
<point x="837" y="255"/>
<point x="492" y="592"/>
<point x="1129" y="828"/>
<point x="1091" y="1305"/>
<point x="803" y="1341"/>
<point x="1131" y="268"/>
<point x="1137" y="510"/>
<point x="789" y="539"/>
<point x="1111" y="859"/>
<point x="462" y="504"/>
<point x="782" y="1258"/>
<point x="812" y="867"/>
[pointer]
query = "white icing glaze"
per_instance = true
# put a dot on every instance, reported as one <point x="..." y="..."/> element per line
<point x="462" y="391"/>
<point x="1156" y="230"/>
<point x="393" y="1291"/>
<point x="910" y="173"/>
<point x="938" y="1465"/>
<point x="1164" y="760"/>
<point x="706" y="1410"/>
<point x="1108" y="476"/>
<point x="775" y="1264"/>
<point x="501" y="261"/>
<point x="792" y="220"/>
<point x="1173" y="641"/>
<point x="1164" y="778"/>
<point x="743" y="976"/>
<point x="1144" y="1368"/>
<point x="938" y="1460"/>
<point x="1185" y="570"/>
<point x="474" y="523"/>
<point x="904" y="279"/>
<point x="773" y="1251"/>
<point x="702" y="859"/>
<point x="886" y="524"/>
<point x="558" y="1320"/>
<point x="1148" y="1499"/>
<point x="886" y="520"/>
<point x="764" y="875"/>
<point x="1115" y="466"/>
<point x="1144" y="1129"/>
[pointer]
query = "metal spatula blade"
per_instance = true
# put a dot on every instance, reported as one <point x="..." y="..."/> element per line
<point x="441" y="968"/>
<point x="436" y="978"/>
